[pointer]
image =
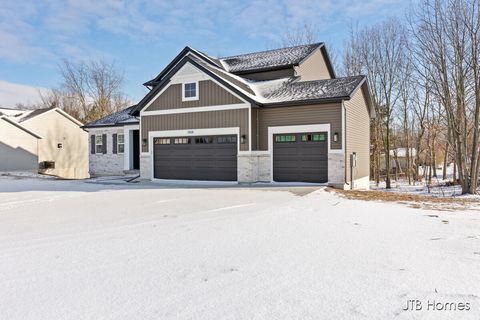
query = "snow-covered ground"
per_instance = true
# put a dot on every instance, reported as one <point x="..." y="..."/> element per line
<point x="83" y="250"/>
<point x="438" y="188"/>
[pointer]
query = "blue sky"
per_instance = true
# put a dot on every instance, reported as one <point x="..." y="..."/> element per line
<point x="142" y="36"/>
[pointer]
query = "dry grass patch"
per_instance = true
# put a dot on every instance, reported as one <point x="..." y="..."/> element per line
<point x="412" y="200"/>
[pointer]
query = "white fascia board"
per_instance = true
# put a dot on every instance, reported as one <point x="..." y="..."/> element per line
<point x="195" y="109"/>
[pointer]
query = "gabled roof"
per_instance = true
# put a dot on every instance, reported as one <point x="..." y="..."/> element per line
<point x="119" y="118"/>
<point x="187" y="50"/>
<point x="286" y="91"/>
<point x="251" y="62"/>
<point x="268" y="60"/>
<point x="22" y="115"/>
<point x="33" y="114"/>
<point x="19" y="126"/>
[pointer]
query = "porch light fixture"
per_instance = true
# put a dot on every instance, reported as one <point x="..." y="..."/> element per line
<point x="243" y="138"/>
<point x="335" y="136"/>
<point x="144" y="142"/>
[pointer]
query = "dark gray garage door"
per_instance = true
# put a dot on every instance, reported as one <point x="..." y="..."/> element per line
<point x="196" y="158"/>
<point x="301" y="157"/>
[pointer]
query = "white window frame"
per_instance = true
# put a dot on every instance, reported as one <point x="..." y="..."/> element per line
<point x="101" y="144"/>
<point x="196" y="97"/>
<point x="118" y="143"/>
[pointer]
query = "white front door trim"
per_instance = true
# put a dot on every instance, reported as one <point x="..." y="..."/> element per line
<point x="298" y="129"/>
<point x="188" y="133"/>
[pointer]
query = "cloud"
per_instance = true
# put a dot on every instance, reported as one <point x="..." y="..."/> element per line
<point x="12" y="94"/>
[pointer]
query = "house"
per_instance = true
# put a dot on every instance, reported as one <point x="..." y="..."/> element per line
<point x="114" y="144"/>
<point x="276" y="115"/>
<point x="47" y="140"/>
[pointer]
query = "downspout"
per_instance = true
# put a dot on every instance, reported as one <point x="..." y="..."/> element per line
<point x="344" y="142"/>
<point x="257" y="113"/>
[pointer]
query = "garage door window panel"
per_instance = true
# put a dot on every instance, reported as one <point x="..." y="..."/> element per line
<point x="285" y="138"/>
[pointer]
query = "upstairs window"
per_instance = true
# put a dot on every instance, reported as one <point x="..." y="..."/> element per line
<point x="190" y="91"/>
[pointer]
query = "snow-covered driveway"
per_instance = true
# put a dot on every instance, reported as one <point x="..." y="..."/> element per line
<point x="76" y="250"/>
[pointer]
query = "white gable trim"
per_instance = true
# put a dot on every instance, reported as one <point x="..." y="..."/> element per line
<point x="181" y="79"/>
<point x="63" y="113"/>
<point x="19" y="126"/>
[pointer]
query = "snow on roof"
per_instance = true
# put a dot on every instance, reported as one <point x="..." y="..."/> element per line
<point x="289" y="88"/>
<point x="117" y="118"/>
<point x="33" y="113"/>
<point x="14" y="113"/>
<point x="293" y="90"/>
<point x="268" y="59"/>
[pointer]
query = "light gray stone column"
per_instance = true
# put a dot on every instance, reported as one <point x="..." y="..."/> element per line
<point x="145" y="166"/>
<point x="336" y="169"/>
<point x="253" y="167"/>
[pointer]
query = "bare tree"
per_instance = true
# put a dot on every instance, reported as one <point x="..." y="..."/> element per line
<point x="299" y="35"/>
<point x="447" y="39"/>
<point x="90" y="90"/>
<point x="380" y="53"/>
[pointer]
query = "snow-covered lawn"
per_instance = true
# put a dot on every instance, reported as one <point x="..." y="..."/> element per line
<point x="79" y="250"/>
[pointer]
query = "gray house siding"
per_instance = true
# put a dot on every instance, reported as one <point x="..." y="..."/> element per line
<point x="300" y="115"/>
<point x="358" y="135"/>
<point x="197" y="120"/>
<point x="210" y="94"/>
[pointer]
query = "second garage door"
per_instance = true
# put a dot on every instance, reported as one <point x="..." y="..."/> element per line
<point x="196" y="158"/>
<point x="300" y="157"/>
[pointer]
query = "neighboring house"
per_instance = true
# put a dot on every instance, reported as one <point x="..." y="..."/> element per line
<point x="277" y="115"/>
<point x="114" y="144"/>
<point x="46" y="140"/>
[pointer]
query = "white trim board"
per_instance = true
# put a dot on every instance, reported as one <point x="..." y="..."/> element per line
<point x="195" y="109"/>
<point x="188" y="133"/>
<point x="299" y="129"/>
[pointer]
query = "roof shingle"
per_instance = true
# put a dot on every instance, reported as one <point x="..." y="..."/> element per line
<point x="117" y="118"/>
<point x="270" y="59"/>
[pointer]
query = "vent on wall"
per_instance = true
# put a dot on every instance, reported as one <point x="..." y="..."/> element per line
<point x="47" y="165"/>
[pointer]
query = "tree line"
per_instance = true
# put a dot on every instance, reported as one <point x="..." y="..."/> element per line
<point x="424" y="76"/>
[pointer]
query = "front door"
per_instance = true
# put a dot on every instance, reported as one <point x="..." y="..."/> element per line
<point x="136" y="149"/>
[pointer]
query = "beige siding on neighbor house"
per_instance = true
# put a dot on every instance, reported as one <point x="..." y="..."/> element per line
<point x="197" y="120"/>
<point x="300" y="115"/>
<point x="18" y="148"/>
<point x="313" y="67"/>
<point x="71" y="161"/>
<point x="210" y="94"/>
<point x="357" y="119"/>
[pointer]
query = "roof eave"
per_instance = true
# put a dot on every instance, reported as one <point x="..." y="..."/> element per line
<point x="109" y="125"/>
<point x="306" y="102"/>
<point x="282" y="67"/>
